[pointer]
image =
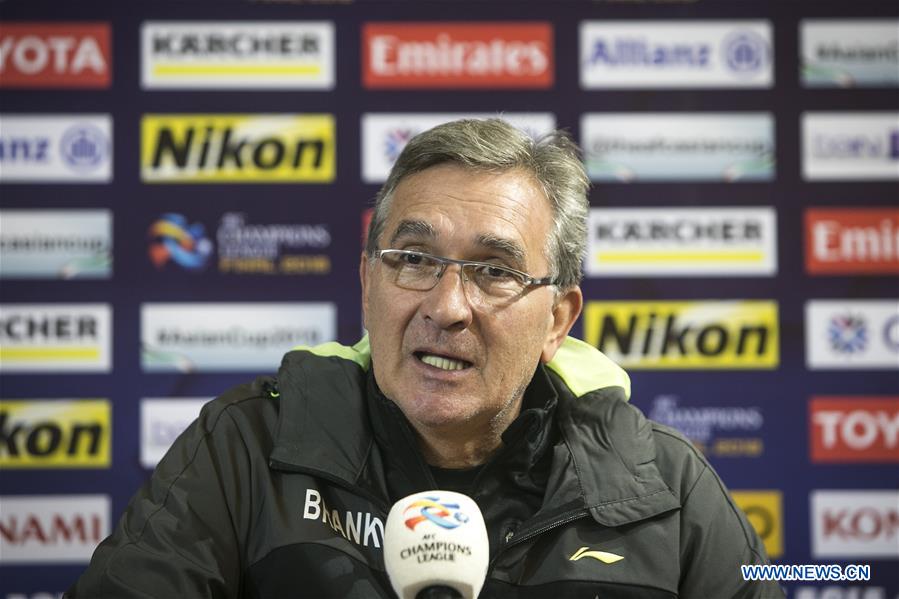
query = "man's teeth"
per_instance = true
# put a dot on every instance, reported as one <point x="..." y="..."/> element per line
<point x="442" y="363"/>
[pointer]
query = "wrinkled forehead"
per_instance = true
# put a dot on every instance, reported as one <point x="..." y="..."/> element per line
<point x="412" y="230"/>
<point x="450" y="205"/>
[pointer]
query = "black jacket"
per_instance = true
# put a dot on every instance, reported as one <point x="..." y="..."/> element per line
<point x="281" y="488"/>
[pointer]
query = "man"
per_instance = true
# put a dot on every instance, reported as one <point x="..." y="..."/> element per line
<point x="468" y="382"/>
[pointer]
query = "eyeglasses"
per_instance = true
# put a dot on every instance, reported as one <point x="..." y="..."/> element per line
<point x="493" y="283"/>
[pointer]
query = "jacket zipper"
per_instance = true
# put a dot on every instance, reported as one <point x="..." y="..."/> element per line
<point x="515" y="539"/>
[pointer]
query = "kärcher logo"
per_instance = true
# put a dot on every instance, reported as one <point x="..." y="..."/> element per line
<point x="48" y="327"/>
<point x="681" y="230"/>
<point x="238" y="43"/>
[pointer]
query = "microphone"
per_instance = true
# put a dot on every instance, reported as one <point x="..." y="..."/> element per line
<point x="436" y="547"/>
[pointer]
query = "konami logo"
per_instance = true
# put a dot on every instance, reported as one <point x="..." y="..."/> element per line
<point x="52" y="528"/>
<point x="852" y="241"/>
<point x="471" y="55"/>
<point x="55" y="55"/>
<point x="854" y="429"/>
<point x="855" y="524"/>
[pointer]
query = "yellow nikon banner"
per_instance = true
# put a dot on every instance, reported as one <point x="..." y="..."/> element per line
<point x="764" y="510"/>
<point x="71" y="433"/>
<point x="238" y="148"/>
<point x="685" y="335"/>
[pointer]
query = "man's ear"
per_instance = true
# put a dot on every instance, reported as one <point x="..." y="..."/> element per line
<point x="565" y="311"/>
<point x="363" y="278"/>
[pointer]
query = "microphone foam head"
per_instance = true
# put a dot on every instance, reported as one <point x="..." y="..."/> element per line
<point x="436" y="538"/>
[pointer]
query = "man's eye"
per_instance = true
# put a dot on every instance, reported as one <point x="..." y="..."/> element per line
<point x="412" y="259"/>
<point x="495" y="272"/>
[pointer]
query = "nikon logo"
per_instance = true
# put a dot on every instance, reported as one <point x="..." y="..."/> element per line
<point x="55" y="434"/>
<point x="675" y="335"/>
<point x="237" y="148"/>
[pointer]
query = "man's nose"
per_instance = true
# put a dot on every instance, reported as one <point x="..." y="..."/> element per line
<point x="447" y="304"/>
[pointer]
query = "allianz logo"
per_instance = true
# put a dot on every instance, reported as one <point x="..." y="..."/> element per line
<point x="741" y="51"/>
<point x="635" y="51"/>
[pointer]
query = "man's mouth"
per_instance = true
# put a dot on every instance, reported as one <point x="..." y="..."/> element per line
<point x="442" y="362"/>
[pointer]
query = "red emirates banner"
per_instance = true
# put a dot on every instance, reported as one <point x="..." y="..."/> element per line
<point x="457" y="55"/>
<point x="852" y="241"/>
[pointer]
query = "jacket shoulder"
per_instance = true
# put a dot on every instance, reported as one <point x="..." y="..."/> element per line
<point x="311" y="374"/>
<point x="321" y="392"/>
<point x="647" y="450"/>
<point x="679" y="461"/>
<point x="253" y="404"/>
<point x="640" y="441"/>
<point x="716" y="537"/>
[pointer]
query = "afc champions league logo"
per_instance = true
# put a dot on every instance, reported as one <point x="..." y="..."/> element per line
<point x="173" y="239"/>
<point x="443" y="514"/>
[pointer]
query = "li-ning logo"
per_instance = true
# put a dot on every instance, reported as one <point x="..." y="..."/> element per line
<point x="603" y="556"/>
<point x="445" y="515"/>
<point x="174" y="240"/>
<point x="848" y="334"/>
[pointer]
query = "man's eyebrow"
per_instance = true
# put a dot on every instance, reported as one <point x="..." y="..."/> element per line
<point x="503" y="245"/>
<point x="420" y="229"/>
<point x="413" y="228"/>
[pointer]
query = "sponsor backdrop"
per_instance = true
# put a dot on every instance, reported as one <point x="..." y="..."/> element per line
<point x="185" y="185"/>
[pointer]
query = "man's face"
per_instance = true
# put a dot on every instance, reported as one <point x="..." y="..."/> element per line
<point x="455" y="212"/>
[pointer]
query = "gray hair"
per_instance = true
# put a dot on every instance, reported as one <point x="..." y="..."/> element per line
<point x="494" y="145"/>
